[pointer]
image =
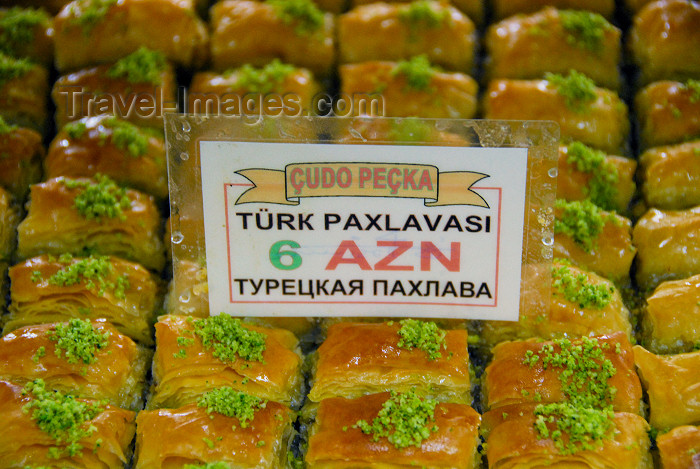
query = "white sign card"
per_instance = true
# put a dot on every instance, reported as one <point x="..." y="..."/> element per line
<point x="372" y="230"/>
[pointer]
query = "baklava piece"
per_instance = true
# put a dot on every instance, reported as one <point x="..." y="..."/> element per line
<point x="587" y="173"/>
<point x="364" y="358"/>
<point x="139" y="87"/>
<point x="673" y="385"/>
<point x="594" y="239"/>
<point x="130" y="155"/>
<point x="226" y="428"/>
<point x="581" y="304"/>
<point x="79" y="216"/>
<point x="24" y="87"/>
<point x="668" y="247"/>
<point x="50" y="289"/>
<point x="411" y="88"/>
<point x="43" y="428"/>
<point x="393" y="431"/>
<point x="671" y="318"/>
<point x="92" y="32"/>
<point x="89" y="359"/>
<point x="532" y="371"/>
<point x="671" y="176"/>
<point x="21" y="153"/>
<point x="664" y="40"/>
<point x="594" y="116"/>
<point x="395" y="31"/>
<point x="551" y="40"/>
<point x="255" y="33"/>
<point x="668" y="112"/>
<point x="195" y="355"/>
<point x="549" y="436"/>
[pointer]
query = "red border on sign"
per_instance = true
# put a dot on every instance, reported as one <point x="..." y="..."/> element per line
<point x="362" y="302"/>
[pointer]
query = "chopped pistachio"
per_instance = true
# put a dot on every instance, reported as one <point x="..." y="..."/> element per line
<point x="582" y="221"/>
<point x="694" y="87"/>
<point x="6" y="128"/>
<point x="40" y="353"/>
<point x="99" y="199"/>
<point x="423" y="13"/>
<point x="128" y="137"/>
<point x="423" y="335"/>
<point x="586" y="30"/>
<point x="17" y="26"/>
<point x="229" y="339"/>
<point x="62" y="417"/>
<point x="75" y="130"/>
<point x="92" y="12"/>
<point x="11" y="68"/>
<point x="602" y="189"/>
<point x="585" y="428"/>
<point x="417" y="72"/>
<point x="576" y="88"/>
<point x="577" y="289"/>
<point x="265" y="79"/>
<point x="94" y="271"/>
<point x="231" y="403"/>
<point x="405" y="420"/>
<point x="304" y="15"/>
<point x="78" y="340"/>
<point x="143" y="66"/>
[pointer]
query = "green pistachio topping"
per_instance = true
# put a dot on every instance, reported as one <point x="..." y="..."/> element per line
<point x="6" y="128"/>
<point x="231" y="403"/>
<point x="417" y="72"/>
<point x="128" y="137"/>
<point x="586" y="417"/>
<point x="99" y="199"/>
<point x="94" y="271"/>
<point x="694" y="86"/>
<point x="304" y="15"/>
<point x="582" y="221"/>
<point x="17" y="27"/>
<point x="92" y="12"/>
<point x="75" y="130"/>
<point x="577" y="289"/>
<point x="583" y="369"/>
<point x="601" y="188"/>
<point x="586" y="428"/>
<point x="410" y="129"/>
<point x="209" y="465"/>
<point x="576" y="89"/>
<point x="64" y="418"/>
<point x="143" y="66"/>
<point x="11" y="68"/>
<point x="423" y="335"/>
<point x="78" y="340"/>
<point x="586" y="30"/>
<point x="263" y="80"/>
<point x="423" y="13"/>
<point x="405" y="420"/>
<point x="229" y="339"/>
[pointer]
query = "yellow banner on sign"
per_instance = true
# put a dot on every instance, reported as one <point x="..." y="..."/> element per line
<point x="361" y="180"/>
